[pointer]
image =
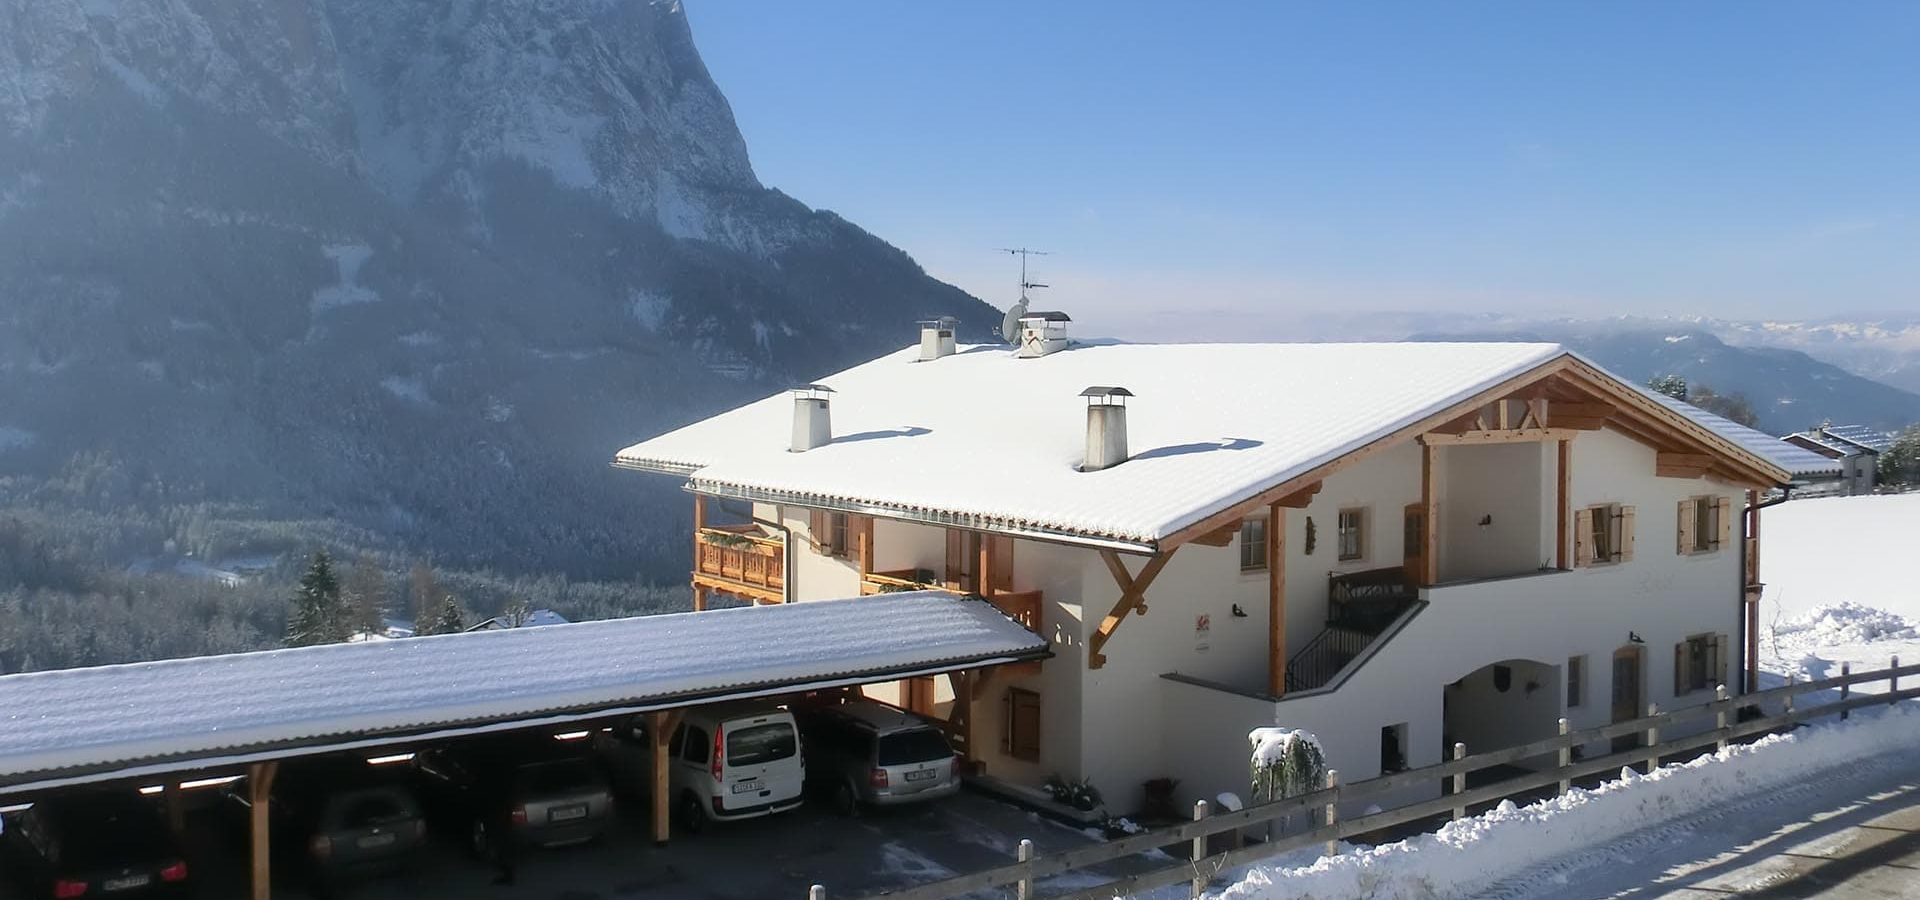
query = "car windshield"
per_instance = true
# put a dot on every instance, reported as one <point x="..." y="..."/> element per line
<point x="916" y="746"/>
<point x="556" y="777"/>
<point x="759" y="744"/>
<point x="111" y="835"/>
<point x="367" y="809"/>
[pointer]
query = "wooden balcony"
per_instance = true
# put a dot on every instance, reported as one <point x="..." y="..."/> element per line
<point x="900" y="580"/>
<point x="739" y="560"/>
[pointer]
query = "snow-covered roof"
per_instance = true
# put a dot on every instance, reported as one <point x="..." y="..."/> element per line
<point x="1861" y="436"/>
<point x="534" y="619"/>
<point x="984" y="434"/>
<point x="1799" y="461"/>
<point x="79" y="724"/>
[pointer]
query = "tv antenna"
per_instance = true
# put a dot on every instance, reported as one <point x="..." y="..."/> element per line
<point x="1010" y="326"/>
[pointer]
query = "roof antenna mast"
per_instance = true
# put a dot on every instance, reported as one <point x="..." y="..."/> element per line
<point x="1010" y="326"/>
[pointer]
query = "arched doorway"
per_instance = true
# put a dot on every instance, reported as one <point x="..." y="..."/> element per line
<point x="1503" y="704"/>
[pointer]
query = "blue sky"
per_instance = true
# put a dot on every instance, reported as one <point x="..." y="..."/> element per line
<point x="1733" y="159"/>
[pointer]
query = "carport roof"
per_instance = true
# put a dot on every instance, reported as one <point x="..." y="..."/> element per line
<point x="94" y="724"/>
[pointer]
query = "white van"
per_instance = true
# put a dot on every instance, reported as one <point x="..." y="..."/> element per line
<point x="726" y="762"/>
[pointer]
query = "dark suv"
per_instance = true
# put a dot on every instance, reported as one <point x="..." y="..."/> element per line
<point x="345" y="818"/>
<point x="874" y="754"/>
<point x="89" y="845"/>
<point x="534" y="791"/>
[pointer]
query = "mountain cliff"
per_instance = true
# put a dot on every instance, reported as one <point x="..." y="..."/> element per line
<point x="401" y="274"/>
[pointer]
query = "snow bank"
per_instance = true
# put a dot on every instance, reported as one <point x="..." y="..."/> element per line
<point x="1840" y="624"/>
<point x="1838" y="550"/>
<point x="1463" y="858"/>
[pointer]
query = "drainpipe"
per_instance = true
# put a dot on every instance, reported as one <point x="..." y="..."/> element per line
<point x="1746" y="519"/>
<point x="786" y="550"/>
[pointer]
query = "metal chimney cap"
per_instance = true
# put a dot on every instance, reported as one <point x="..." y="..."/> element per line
<point x="1105" y="392"/>
<point x="1048" y="315"/>
<point x="942" y="322"/>
<point x="806" y="389"/>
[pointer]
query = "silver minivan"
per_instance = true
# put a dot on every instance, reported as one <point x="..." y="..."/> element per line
<point x="726" y="762"/>
<point x="868" y="753"/>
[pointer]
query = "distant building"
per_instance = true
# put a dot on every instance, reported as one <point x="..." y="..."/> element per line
<point x="1856" y="448"/>
<point x="534" y="618"/>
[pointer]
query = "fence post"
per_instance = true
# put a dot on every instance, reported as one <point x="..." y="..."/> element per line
<point x="1459" y="781"/>
<point x="1720" y="717"/>
<point x="1333" y="810"/>
<point x="1789" y="706"/>
<point x="1846" y="669"/>
<point x="817" y="892"/>
<point x="1199" y="885"/>
<point x="1893" y="682"/>
<point x="1024" y="889"/>
<point x="1653" y="739"/>
<point x="1566" y="759"/>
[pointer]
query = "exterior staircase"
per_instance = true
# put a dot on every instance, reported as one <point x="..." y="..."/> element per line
<point x="1360" y="606"/>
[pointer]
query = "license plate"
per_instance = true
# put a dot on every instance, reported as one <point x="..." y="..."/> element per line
<point x="567" y="813"/>
<point x="746" y="787"/>
<point x="923" y="775"/>
<point x="374" y="840"/>
<point x="127" y="883"/>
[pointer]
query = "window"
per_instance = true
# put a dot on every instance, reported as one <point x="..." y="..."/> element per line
<point x="1704" y="524"/>
<point x="1353" y="541"/>
<point x="1576" y="681"/>
<point x="1253" y="545"/>
<point x="1699" y="663"/>
<point x="1603" y="535"/>
<point x="1023" y="725"/>
<point x="830" y="532"/>
<point x="1393" y="748"/>
<point x="760" y="744"/>
<point x="696" y="746"/>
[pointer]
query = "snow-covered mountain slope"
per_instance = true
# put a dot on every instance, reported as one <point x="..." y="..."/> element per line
<point x="415" y="269"/>
<point x="1882" y="348"/>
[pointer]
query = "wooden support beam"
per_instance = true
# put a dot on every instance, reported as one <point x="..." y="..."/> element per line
<point x="1429" y="515"/>
<point x="699" y="522"/>
<point x="1301" y="498"/>
<point x="660" y="726"/>
<point x="864" y="544"/>
<point x="984" y="568"/>
<point x="259" y="795"/>
<point x="1277" y="600"/>
<point x="1223" y="537"/>
<point x="176" y="811"/>
<point x="1681" y="465"/>
<point x="1578" y="409"/>
<point x="1133" y="597"/>
<point x="1496" y="436"/>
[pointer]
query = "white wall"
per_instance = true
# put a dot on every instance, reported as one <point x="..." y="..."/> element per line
<point x="1383" y="485"/>
<point x="1500" y="484"/>
<point x="1486" y="718"/>
<point x="814" y="575"/>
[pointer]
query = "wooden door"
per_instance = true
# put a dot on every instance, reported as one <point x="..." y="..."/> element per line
<point x="1414" y="536"/>
<point x="1628" y="695"/>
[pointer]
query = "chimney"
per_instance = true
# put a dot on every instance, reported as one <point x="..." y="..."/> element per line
<point x="812" y="426"/>
<point x="1042" y="333"/>
<point x="1106" y="427"/>
<point x="936" y="338"/>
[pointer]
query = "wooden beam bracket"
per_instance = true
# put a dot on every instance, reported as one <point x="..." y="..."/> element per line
<point x="1133" y="598"/>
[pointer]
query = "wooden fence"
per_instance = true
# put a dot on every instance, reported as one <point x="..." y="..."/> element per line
<point x="1201" y="867"/>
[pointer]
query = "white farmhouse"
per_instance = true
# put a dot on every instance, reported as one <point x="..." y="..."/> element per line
<point x="1395" y="546"/>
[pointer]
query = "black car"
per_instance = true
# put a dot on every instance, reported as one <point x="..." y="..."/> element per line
<point x="343" y="818"/>
<point x="92" y="845"/>
<point x="534" y="791"/>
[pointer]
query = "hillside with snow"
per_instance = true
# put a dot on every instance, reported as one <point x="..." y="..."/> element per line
<point x="395" y="273"/>
<point x="1839" y="583"/>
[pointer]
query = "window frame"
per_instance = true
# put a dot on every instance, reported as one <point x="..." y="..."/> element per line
<point x="1576" y="678"/>
<point x="1253" y="543"/>
<point x="1608" y="526"/>
<point x="1359" y="533"/>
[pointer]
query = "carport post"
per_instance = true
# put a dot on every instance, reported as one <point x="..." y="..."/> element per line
<point x="660" y="726"/>
<point x="176" y="812"/>
<point x="259" y="793"/>
<point x="1566" y="758"/>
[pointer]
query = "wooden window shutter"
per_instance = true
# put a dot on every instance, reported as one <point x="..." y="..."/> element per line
<point x="1688" y="510"/>
<point x="1002" y="553"/>
<point x="817" y="528"/>
<point x="1723" y="521"/>
<point x="1623" y="524"/>
<point x="1680" y="668"/>
<point x="1719" y="659"/>
<point x="1583" y="538"/>
<point x="1023" y="724"/>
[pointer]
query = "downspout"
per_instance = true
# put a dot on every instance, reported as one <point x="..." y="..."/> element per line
<point x="786" y="550"/>
<point x="1752" y="610"/>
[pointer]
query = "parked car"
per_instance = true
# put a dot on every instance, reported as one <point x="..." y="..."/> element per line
<point x="868" y="753"/>
<point x="113" y="844"/>
<point x="726" y="762"/>
<point x="531" y="791"/>
<point x="344" y="819"/>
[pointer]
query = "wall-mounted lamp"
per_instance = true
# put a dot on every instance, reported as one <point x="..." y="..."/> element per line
<point x="1635" y="638"/>
<point x="1239" y="613"/>
<point x="1486" y="520"/>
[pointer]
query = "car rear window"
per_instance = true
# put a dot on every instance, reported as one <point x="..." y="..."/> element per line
<point x="117" y="836"/>
<point x="758" y="744"/>
<point x="556" y="777"/>
<point x="366" y="809"/>
<point x="915" y="746"/>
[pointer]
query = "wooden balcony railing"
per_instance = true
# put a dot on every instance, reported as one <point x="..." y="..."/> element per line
<point x="742" y="555"/>
<point x="899" y="580"/>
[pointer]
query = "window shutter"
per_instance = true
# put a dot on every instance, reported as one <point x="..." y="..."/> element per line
<point x="1719" y="659"/>
<point x="1680" y="668"/>
<point x="1723" y="520"/>
<point x="1623" y="550"/>
<point x="1583" y="538"/>
<point x="817" y="528"/>
<point x="1687" y="512"/>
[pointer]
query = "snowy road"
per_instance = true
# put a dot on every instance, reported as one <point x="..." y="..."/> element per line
<point x="1852" y="834"/>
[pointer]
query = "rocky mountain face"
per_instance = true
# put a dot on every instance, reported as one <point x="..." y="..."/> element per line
<point x="1884" y="348"/>
<point x="402" y="272"/>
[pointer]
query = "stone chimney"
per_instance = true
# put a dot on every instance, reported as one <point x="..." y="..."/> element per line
<point x="1106" y="427"/>
<point x="936" y="338"/>
<point x="1042" y="333"/>
<point x="812" y="424"/>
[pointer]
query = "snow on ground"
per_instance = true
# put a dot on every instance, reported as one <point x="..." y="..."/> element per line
<point x="1836" y="593"/>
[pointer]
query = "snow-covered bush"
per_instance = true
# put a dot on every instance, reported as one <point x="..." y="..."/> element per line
<point x="1286" y="762"/>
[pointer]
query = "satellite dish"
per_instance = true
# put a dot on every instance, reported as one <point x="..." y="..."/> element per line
<point x="1010" y="326"/>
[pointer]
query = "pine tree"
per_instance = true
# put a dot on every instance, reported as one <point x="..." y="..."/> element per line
<point x="1671" y="385"/>
<point x="424" y="595"/>
<point x="365" y="596"/>
<point x="450" y="619"/>
<point x="318" y="616"/>
<point x="1900" y="463"/>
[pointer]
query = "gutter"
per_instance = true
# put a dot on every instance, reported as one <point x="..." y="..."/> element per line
<point x="1746" y="517"/>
